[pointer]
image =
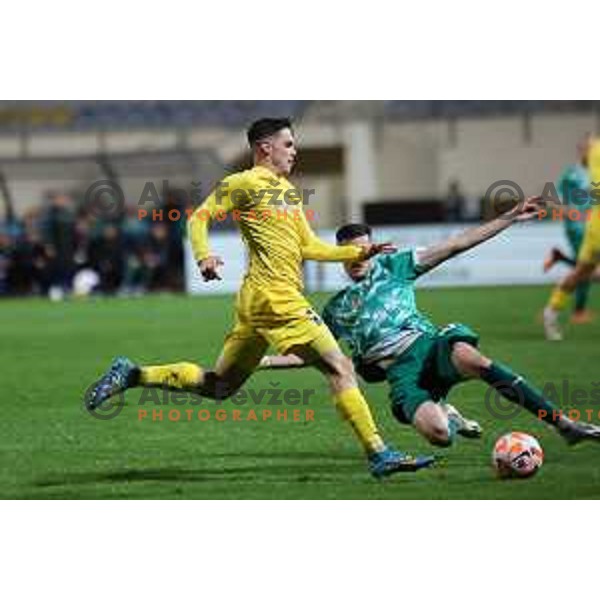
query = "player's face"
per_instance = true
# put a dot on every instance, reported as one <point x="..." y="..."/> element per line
<point x="281" y="149"/>
<point x="357" y="269"/>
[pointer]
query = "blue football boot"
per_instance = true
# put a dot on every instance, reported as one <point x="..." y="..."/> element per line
<point x="388" y="461"/>
<point x="121" y="375"/>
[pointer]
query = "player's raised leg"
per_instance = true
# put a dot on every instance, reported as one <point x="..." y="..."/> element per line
<point x="515" y="388"/>
<point x="556" y="255"/>
<point x="240" y="356"/>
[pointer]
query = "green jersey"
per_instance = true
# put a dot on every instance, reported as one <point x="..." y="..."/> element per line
<point x="574" y="190"/>
<point x="377" y="316"/>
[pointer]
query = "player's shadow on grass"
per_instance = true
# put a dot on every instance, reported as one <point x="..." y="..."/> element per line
<point x="314" y="468"/>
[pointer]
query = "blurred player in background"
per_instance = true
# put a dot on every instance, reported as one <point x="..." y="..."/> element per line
<point x="391" y="340"/>
<point x="574" y="190"/>
<point x="271" y="308"/>
<point x="588" y="256"/>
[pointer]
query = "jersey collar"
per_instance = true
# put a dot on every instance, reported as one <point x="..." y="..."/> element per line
<point x="266" y="172"/>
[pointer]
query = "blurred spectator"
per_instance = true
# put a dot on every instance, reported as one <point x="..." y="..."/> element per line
<point x="136" y="234"/>
<point x="31" y="259"/>
<point x="106" y="257"/>
<point x="59" y="230"/>
<point x="175" y="230"/>
<point x="56" y="249"/>
<point x="156" y="257"/>
<point x="5" y="262"/>
<point x="82" y="236"/>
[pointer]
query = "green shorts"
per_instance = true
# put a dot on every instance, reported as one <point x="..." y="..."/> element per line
<point x="425" y="371"/>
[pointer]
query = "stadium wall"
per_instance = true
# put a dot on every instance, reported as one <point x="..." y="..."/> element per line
<point x="404" y="160"/>
<point x="528" y="153"/>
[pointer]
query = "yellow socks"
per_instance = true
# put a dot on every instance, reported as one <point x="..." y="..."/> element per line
<point x="355" y="409"/>
<point x="559" y="299"/>
<point x="179" y="375"/>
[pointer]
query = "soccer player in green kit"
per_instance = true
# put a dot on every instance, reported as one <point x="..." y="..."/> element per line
<point x="574" y="188"/>
<point x="389" y="339"/>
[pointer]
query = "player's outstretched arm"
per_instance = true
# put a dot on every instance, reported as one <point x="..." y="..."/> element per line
<point x="436" y="254"/>
<point x="281" y="361"/>
<point x="314" y="248"/>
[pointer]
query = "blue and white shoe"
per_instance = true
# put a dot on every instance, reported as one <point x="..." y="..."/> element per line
<point x="388" y="461"/>
<point x="468" y="428"/>
<point x="121" y="375"/>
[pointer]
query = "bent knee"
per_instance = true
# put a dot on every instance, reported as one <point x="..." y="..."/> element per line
<point x="441" y="438"/>
<point x="438" y="435"/>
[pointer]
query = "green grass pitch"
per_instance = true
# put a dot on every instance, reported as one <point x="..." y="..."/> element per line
<point x="51" y="448"/>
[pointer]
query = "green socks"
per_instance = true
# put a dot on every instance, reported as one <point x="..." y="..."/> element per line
<point x="517" y="389"/>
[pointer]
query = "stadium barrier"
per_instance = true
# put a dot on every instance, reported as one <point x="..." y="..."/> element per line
<point x="512" y="258"/>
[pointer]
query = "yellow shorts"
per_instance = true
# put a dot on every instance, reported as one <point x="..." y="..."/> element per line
<point x="590" y="247"/>
<point x="283" y="319"/>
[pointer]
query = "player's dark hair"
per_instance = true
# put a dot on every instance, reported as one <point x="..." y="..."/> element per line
<point x="263" y="128"/>
<point x="352" y="231"/>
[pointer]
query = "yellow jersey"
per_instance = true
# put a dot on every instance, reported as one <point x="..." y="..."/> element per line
<point x="589" y="251"/>
<point x="594" y="168"/>
<point x="268" y="210"/>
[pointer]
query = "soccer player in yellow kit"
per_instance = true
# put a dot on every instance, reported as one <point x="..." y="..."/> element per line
<point x="270" y="308"/>
<point x="588" y="257"/>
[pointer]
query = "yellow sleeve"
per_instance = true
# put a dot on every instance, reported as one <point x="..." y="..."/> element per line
<point x="315" y="249"/>
<point x="218" y="202"/>
<point x="594" y="163"/>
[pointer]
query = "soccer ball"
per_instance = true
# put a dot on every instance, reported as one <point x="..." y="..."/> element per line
<point x="517" y="454"/>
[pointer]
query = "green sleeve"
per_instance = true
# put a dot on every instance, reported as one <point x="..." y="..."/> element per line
<point x="403" y="265"/>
